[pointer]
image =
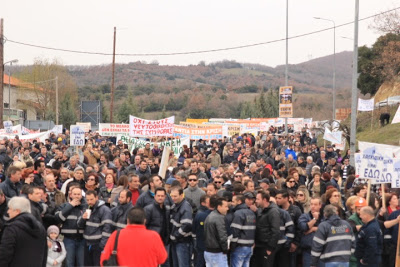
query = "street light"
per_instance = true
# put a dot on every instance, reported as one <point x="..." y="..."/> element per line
<point x="9" y="85"/>
<point x="334" y="65"/>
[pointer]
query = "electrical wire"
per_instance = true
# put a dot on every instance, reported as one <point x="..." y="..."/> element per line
<point x="201" y="51"/>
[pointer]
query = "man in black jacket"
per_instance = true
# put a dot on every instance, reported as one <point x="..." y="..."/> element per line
<point x="288" y="254"/>
<point x="157" y="217"/>
<point x="120" y="212"/>
<point x="23" y="242"/>
<point x="11" y="186"/>
<point x="370" y="240"/>
<point x="216" y="237"/>
<point x="267" y="231"/>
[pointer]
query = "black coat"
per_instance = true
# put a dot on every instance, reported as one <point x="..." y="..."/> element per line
<point x="23" y="242"/>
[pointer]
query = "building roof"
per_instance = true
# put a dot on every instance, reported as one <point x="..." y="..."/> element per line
<point x="18" y="83"/>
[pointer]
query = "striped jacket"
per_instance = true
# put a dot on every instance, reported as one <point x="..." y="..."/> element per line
<point x="68" y="215"/>
<point x="333" y="242"/>
<point x="99" y="226"/>
<point x="243" y="227"/>
<point x="181" y="222"/>
<point x="119" y="216"/>
<point x="286" y="227"/>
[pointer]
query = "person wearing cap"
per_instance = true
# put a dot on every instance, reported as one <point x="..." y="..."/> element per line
<point x="249" y="200"/>
<point x="56" y="252"/>
<point x="356" y="223"/>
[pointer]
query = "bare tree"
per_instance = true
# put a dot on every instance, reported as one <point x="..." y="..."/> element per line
<point x="387" y="22"/>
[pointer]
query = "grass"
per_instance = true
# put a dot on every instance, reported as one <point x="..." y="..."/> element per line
<point x="239" y="71"/>
<point x="389" y="134"/>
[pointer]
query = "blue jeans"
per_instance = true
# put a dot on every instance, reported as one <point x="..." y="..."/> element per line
<point x="307" y="259"/>
<point x="215" y="259"/>
<point x="336" y="264"/>
<point x="166" y="263"/>
<point x="181" y="254"/>
<point x="75" y="252"/>
<point x="240" y="256"/>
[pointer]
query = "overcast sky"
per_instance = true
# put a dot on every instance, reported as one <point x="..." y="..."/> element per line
<point x="166" y="26"/>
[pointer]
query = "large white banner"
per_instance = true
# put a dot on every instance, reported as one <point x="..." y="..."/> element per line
<point x="41" y="137"/>
<point x="376" y="163"/>
<point x="176" y="145"/>
<point x="150" y="128"/>
<point x="396" y="118"/>
<point x="365" y="104"/>
<point x="365" y="145"/>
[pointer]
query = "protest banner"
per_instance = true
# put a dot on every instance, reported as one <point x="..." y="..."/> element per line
<point x="196" y="121"/>
<point x="333" y="137"/>
<point x="8" y="127"/>
<point x="176" y="145"/>
<point x="164" y="162"/>
<point x="57" y="129"/>
<point x="395" y="149"/>
<point x="396" y="173"/>
<point x="264" y="126"/>
<point x="87" y="126"/>
<point x="285" y="102"/>
<point x="15" y="130"/>
<point x="365" y="104"/>
<point x="41" y="137"/>
<point x="149" y="128"/>
<point x="113" y="129"/>
<point x="396" y="118"/>
<point x="209" y="133"/>
<point x="77" y="137"/>
<point x="376" y="163"/>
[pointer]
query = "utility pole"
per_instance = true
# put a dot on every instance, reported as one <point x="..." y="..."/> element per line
<point x="287" y="57"/>
<point x="57" y="113"/>
<point x="112" y="79"/>
<point x="354" y="90"/>
<point x="1" y="72"/>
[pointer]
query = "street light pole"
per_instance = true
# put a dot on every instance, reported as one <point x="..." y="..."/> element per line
<point x="354" y="90"/>
<point x="9" y="85"/>
<point x="334" y="67"/>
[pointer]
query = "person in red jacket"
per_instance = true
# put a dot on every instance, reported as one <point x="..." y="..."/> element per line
<point x="137" y="246"/>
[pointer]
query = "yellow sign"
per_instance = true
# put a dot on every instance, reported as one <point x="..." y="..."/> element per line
<point x="286" y="102"/>
<point x="197" y="121"/>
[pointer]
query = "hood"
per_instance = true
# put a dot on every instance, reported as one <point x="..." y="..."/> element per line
<point x="335" y="220"/>
<point x="27" y="223"/>
<point x="241" y="207"/>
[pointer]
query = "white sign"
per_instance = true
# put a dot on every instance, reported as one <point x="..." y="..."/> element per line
<point x="396" y="118"/>
<point x="376" y="163"/>
<point x="396" y="173"/>
<point x="8" y="126"/>
<point x="149" y="128"/>
<point x="77" y="137"/>
<point x="85" y="125"/>
<point x="334" y="137"/>
<point x="264" y="127"/>
<point x="113" y="129"/>
<point x="57" y="129"/>
<point x="365" y="104"/>
<point x="395" y="149"/>
<point x="164" y="162"/>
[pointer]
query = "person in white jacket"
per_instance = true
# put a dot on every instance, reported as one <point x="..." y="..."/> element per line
<point x="56" y="249"/>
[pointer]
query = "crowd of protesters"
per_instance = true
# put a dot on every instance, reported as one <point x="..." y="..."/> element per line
<point x="266" y="200"/>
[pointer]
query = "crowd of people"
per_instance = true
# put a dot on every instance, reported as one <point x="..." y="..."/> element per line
<point x="266" y="200"/>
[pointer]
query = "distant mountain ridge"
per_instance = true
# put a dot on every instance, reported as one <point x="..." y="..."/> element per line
<point x="313" y="76"/>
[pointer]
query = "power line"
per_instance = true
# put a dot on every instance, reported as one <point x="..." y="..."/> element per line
<point x="200" y="51"/>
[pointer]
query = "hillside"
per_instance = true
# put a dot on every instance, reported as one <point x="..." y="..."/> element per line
<point x="217" y="89"/>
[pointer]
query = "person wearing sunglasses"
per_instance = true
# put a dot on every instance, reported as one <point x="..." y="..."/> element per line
<point x="193" y="192"/>
<point x="290" y="184"/>
<point x="303" y="198"/>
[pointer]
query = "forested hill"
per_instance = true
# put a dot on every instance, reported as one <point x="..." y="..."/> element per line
<point x="152" y="86"/>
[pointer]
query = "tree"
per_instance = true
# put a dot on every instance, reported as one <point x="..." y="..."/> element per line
<point x="127" y="108"/>
<point x="41" y="75"/>
<point x="387" y="23"/>
<point x="379" y="63"/>
<point x="67" y="111"/>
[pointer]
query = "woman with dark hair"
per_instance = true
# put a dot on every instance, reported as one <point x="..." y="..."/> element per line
<point x="290" y="184"/>
<point x="317" y="186"/>
<point x="349" y="185"/>
<point x="392" y="204"/>
<point x="92" y="183"/>
<point x="105" y="191"/>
